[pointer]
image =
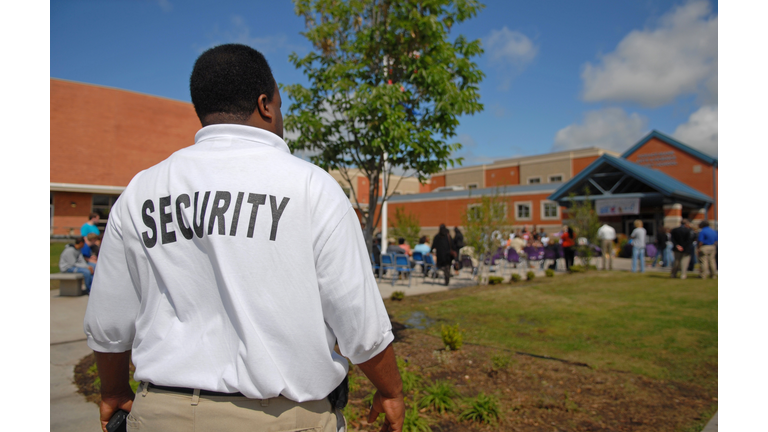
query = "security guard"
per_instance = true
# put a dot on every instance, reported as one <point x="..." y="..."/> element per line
<point x="228" y="273"/>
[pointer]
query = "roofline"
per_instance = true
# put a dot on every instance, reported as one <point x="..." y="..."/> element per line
<point x="119" y="89"/>
<point x="669" y="140"/>
<point x="473" y="193"/>
<point x="522" y="160"/>
<point x="86" y="188"/>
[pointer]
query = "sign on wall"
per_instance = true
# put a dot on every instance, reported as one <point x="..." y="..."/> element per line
<point x="617" y="206"/>
<point x="660" y="159"/>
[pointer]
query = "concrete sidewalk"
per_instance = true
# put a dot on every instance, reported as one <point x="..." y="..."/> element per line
<point x="70" y="412"/>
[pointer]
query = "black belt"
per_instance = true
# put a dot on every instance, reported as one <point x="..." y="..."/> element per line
<point x="190" y="391"/>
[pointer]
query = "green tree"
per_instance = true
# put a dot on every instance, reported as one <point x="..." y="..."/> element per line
<point x="585" y="223"/>
<point x="485" y="224"/>
<point x="405" y="225"/>
<point x="386" y="89"/>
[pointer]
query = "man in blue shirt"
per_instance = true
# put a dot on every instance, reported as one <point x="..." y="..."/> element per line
<point x="707" y="241"/>
<point x="90" y="226"/>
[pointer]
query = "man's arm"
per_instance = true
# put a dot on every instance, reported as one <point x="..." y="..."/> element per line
<point x="116" y="392"/>
<point x="383" y="373"/>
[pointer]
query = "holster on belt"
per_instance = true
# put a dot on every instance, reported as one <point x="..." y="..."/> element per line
<point x="340" y="395"/>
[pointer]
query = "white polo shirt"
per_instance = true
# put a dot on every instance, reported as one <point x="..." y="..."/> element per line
<point x="235" y="266"/>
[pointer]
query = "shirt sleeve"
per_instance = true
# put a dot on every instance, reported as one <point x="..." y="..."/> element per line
<point x="114" y="302"/>
<point x="351" y="301"/>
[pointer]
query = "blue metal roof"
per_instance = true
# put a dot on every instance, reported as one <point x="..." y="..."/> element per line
<point x="674" y="143"/>
<point x="663" y="183"/>
<point x="470" y="193"/>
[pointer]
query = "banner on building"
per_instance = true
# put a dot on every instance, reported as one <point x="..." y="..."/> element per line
<point x="617" y="206"/>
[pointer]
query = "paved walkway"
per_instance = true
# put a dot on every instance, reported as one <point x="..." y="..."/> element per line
<point x="70" y="412"/>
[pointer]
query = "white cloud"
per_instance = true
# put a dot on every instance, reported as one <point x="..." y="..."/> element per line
<point x="239" y="32"/>
<point x="700" y="132"/>
<point x="511" y="51"/>
<point x="654" y="66"/>
<point x="609" y="128"/>
<point x="468" y="152"/>
<point x="165" y="5"/>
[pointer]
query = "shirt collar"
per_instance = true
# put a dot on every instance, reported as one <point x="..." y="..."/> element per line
<point x="248" y="133"/>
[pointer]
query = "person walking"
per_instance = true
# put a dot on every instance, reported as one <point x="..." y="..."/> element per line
<point x="566" y="238"/>
<point x="229" y="271"/>
<point x="707" y="244"/>
<point x="607" y="235"/>
<point x="638" y="246"/>
<point x="444" y="250"/>
<point x="682" y="241"/>
<point x="661" y="246"/>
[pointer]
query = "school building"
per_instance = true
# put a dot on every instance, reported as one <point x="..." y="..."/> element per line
<point x="101" y="137"/>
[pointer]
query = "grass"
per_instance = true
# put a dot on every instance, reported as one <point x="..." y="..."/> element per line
<point x="642" y="323"/>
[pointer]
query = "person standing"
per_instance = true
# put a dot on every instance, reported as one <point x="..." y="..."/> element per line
<point x="707" y="243"/>
<point x="444" y="250"/>
<point x="229" y="271"/>
<point x="638" y="246"/>
<point x="72" y="261"/>
<point x="682" y="241"/>
<point x="90" y="226"/>
<point x="568" y="243"/>
<point x="607" y="235"/>
<point x="661" y="246"/>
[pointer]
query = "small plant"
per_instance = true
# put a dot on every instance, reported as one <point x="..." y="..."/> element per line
<point x="500" y="361"/>
<point x="493" y="280"/>
<point x="411" y="380"/>
<point x="452" y="337"/>
<point x="397" y="295"/>
<point x="439" y="396"/>
<point x="351" y="414"/>
<point x="414" y="422"/>
<point x="482" y="409"/>
<point x="550" y="273"/>
<point x="530" y="275"/>
<point x="515" y="277"/>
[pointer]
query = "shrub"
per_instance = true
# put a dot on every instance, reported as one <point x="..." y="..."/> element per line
<point x="515" y="277"/>
<point x="397" y="295"/>
<point x="577" y="269"/>
<point x="414" y="422"/>
<point x="482" y="409"/>
<point x="439" y="396"/>
<point x="500" y="361"/>
<point x="550" y="273"/>
<point x="452" y="337"/>
<point x="530" y="275"/>
<point x="493" y="280"/>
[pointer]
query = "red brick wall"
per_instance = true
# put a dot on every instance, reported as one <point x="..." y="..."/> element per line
<point x="437" y="181"/>
<point x="502" y="176"/>
<point x="579" y="164"/>
<point x="104" y="136"/>
<point x="683" y="169"/>
<point x="67" y="218"/>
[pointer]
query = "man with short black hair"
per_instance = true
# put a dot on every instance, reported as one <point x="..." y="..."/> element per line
<point x="72" y="261"/>
<point x="682" y="243"/>
<point x="228" y="273"/>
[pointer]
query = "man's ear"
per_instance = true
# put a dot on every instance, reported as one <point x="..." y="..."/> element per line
<point x="263" y="108"/>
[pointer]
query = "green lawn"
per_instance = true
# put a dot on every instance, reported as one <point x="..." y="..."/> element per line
<point x="648" y="324"/>
<point x="56" y="249"/>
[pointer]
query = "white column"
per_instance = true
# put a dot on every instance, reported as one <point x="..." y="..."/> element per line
<point x="385" y="181"/>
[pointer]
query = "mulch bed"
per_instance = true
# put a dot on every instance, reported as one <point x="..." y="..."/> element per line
<point x="534" y="394"/>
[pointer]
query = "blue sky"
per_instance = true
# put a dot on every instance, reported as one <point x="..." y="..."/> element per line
<point x="559" y="74"/>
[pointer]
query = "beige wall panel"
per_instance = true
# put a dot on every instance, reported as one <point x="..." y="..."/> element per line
<point x="544" y="170"/>
<point x="465" y="178"/>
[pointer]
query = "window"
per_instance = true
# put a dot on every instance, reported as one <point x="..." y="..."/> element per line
<point x="534" y="180"/>
<point x="549" y="210"/>
<point x="472" y="186"/>
<point x="555" y="179"/>
<point x="523" y="210"/>
<point x="347" y="191"/>
<point x="474" y="212"/>
<point x="102" y="204"/>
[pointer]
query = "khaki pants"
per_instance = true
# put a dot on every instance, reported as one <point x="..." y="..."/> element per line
<point x="160" y="410"/>
<point x="681" y="264"/>
<point x="707" y="261"/>
<point x="607" y="247"/>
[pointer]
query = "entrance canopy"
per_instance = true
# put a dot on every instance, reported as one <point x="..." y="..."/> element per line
<point x="615" y="178"/>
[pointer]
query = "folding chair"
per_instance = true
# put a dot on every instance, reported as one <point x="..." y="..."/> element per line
<point x="374" y="265"/>
<point x="418" y="259"/>
<point x="430" y="266"/>
<point x="402" y="265"/>
<point x="387" y="262"/>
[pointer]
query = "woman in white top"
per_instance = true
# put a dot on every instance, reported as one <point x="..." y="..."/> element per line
<point x="638" y="246"/>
